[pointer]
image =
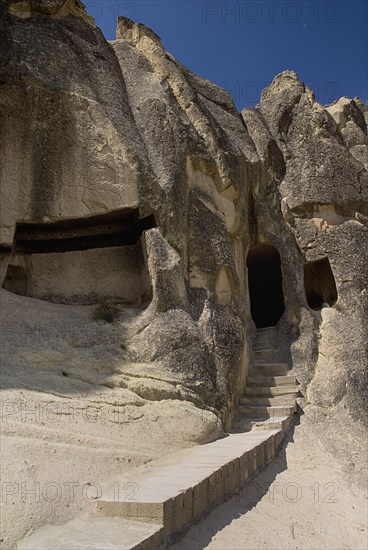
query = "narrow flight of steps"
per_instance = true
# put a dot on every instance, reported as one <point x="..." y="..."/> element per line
<point x="173" y="492"/>
<point x="271" y="391"/>
<point x="177" y="490"/>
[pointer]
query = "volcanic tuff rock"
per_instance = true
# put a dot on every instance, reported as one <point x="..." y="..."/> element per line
<point x="92" y="130"/>
<point x="147" y="230"/>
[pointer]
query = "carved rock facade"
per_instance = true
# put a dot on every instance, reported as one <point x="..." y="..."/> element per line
<point x="124" y="176"/>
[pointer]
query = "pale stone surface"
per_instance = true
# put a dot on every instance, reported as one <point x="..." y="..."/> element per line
<point x="73" y="411"/>
<point x="84" y="276"/>
<point x="302" y="500"/>
<point x="94" y="533"/>
<point x="53" y="8"/>
<point x="170" y="493"/>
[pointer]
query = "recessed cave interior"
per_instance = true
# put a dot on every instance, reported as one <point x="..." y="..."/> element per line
<point x="265" y="285"/>
<point x="319" y="284"/>
<point x="82" y="260"/>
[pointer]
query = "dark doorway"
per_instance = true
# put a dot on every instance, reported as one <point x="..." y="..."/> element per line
<point x="319" y="284"/>
<point x="265" y="285"/>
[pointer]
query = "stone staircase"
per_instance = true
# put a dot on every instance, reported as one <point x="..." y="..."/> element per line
<point x="271" y="391"/>
<point x="176" y="491"/>
<point x="172" y="493"/>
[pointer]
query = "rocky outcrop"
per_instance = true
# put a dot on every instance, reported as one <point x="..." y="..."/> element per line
<point x="316" y="194"/>
<point x="91" y="129"/>
<point x="69" y="145"/>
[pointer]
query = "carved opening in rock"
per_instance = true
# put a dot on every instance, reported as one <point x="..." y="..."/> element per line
<point x="119" y="228"/>
<point x="319" y="284"/>
<point x="16" y="280"/>
<point x="84" y="260"/>
<point x="265" y="285"/>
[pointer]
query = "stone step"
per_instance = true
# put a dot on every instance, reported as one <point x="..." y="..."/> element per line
<point x="264" y="355"/>
<point x="264" y="348"/>
<point x="265" y="333"/>
<point x="269" y="369"/>
<point x="271" y="391"/>
<point x="248" y="424"/>
<point x="259" y="411"/>
<point x="273" y="381"/>
<point x="264" y="345"/>
<point x="258" y="362"/>
<point x="265" y="338"/>
<point x="268" y="401"/>
<point x="92" y="532"/>
<point x="179" y="489"/>
<point x="171" y="493"/>
<point x="265" y="329"/>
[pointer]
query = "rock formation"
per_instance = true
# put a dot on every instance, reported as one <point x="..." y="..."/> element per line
<point x="125" y="177"/>
<point x="94" y="133"/>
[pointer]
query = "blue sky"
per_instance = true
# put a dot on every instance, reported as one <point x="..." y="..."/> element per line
<point x="241" y="45"/>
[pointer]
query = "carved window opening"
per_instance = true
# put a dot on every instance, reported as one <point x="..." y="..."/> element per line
<point x="265" y="285"/>
<point x="81" y="261"/>
<point x="120" y="228"/>
<point x="319" y="284"/>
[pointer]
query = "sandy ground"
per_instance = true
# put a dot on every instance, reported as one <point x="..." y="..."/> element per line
<point x="71" y="422"/>
<point x="302" y="500"/>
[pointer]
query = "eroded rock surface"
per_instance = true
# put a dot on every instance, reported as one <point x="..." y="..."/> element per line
<point x="134" y="187"/>
<point x="317" y="196"/>
<point x="91" y="128"/>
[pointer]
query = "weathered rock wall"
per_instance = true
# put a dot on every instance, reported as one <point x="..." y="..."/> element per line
<point x="82" y="276"/>
<point x="313" y="205"/>
<point x="69" y="144"/>
<point x="89" y="127"/>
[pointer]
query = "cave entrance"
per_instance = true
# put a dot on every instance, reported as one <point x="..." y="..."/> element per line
<point x="83" y="261"/>
<point x="265" y="285"/>
<point x="319" y="284"/>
